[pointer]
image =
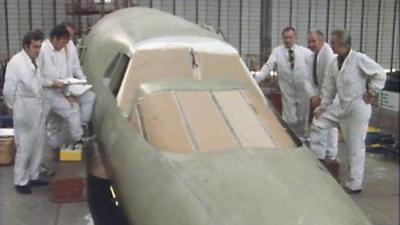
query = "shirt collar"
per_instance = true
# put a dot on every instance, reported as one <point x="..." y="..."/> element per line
<point x="292" y="48"/>
<point x="343" y="58"/>
<point x="26" y="56"/>
<point x="50" y="45"/>
<point x="28" y="60"/>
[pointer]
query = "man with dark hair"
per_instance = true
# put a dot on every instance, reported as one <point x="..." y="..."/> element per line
<point x="74" y="69"/>
<point x="290" y="61"/>
<point x="53" y="63"/>
<point x="85" y="101"/>
<point x="288" y="29"/>
<point x="23" y="92"/>
<point x="355" y="78"/>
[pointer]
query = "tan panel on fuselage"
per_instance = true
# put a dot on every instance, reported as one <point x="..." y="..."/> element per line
<point x="214" y="66"/>
<point x="243" y="120"/>
<point x="206" y="122"/>
<point x="152" y="66"/>
<point x="163" y="124"/>
<point x="278" y="132"/>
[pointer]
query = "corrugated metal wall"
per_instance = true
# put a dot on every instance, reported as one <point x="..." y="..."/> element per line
<point x="24" y="15"/>
<point x="3" y="40"/>
<point x="373" y="23"/>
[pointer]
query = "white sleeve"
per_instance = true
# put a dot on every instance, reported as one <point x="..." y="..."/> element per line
<point x="76" y="65"/>
<point x="329" y="89"/>
<point x="307" y="52"/>
<point x="311" y="87"/>
<point x="44" y="62"/>
<point x="376" y="76"/>
<point x="329" y="56"/>
<point x="10" y="84"/>
<point x="266" y="68"/>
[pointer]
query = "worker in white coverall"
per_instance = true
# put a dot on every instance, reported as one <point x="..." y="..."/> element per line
<point x="23" y="92"/>
<point x="290" y="61"/>
<point x="323" y="141"/>
<point x="53" y="62"/>
<point x="74" y="69"/>
<point x="356" y="79"/>
<point x="85" y="101"/>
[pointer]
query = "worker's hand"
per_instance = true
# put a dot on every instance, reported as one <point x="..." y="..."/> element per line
<point x="58" y="84"/>
<point x="368" y="97"/>
<point x="72" y="99"/>
<point x="318" y="112"/>
<point x="315" y="101"/>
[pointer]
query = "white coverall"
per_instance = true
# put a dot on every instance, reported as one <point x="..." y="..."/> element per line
<point x="323" y="141"/>
<point x="54" y="67"/>
<point x="86" y="100"/>
<point x="350" y="83"/>
<point x="23" y="91"/>
<point x="294" y="84"/>
<point x="74" y="69"/>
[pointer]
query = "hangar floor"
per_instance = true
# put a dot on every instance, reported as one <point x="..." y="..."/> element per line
<point x="380" y="196"/>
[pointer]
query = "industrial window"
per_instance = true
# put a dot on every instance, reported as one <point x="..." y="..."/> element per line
<point x="115" y="72"/>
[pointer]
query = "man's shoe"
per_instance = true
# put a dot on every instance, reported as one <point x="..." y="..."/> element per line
<point x="87" y="140"/>
<point x="352" y="192"/>
<point x="23" y="189"/>
<point x="77" y="147"/>
<point x="46" y="171"/>
<point x="37" y="183"/>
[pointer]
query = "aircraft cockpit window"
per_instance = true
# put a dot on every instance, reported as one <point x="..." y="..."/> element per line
<point x="115" y="72"/>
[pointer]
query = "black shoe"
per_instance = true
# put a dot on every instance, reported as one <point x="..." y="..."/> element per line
<point x="85" y="140"/>
<point x="23" y="189"/>
<point x="46" y="171"/>
<point x="37" y="183"/>
<point x="352" y="192"/>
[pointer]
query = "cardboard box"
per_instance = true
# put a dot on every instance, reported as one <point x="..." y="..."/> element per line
<point x="7" y="150"/>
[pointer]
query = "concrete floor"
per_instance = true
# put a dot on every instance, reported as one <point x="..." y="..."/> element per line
<point x="379" y="199"/>
<point x="37" y="208"/>
<point x="380" y="196"/>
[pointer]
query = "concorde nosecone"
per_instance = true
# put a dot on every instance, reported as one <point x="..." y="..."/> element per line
<point x="187" y="136"/>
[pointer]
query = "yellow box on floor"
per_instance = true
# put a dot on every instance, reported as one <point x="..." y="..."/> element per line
<point x="67" y="154"/>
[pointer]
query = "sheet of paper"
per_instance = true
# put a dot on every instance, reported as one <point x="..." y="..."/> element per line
<point x="78" y="89"/>
<point x="73" y="80"/>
